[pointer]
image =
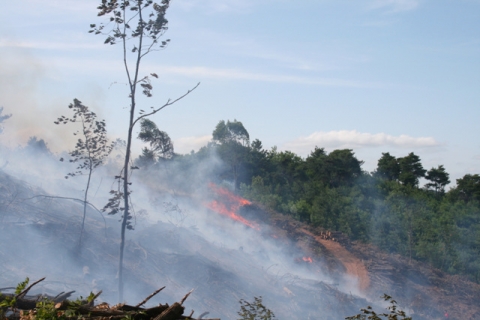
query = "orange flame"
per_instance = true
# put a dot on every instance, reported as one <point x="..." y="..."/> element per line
<point x="229" y="205"/>
<point x="307" y="259"/>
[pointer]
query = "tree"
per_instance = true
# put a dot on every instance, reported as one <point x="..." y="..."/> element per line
<point x="231" y="132"/>
<point x="161" y="146"/>
<point x="439" y="179"/>
<point x="411" y="170"/>
<point x="388" y="167"/>
<point x="91" y="150"/>
<point x="142" y="23"/>
<point x="255" y="310"/>
<point x="343" y="167"/>
<point x="233" y="141"/>
<point x="468" y="187"/>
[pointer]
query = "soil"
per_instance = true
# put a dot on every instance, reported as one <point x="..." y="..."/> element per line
<point x="422" y="291"/>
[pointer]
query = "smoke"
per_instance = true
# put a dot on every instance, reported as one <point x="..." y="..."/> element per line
<point x="26" y="84"/>
<point x="178" y="241"/>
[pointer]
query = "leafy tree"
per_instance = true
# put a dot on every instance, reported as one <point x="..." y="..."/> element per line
<point x="343" y="167"/>
<point x="468" y="187"/>
<point x="388" y="167"/>
<point x="411" y="170"/>
<point x="161" y="146"/>
<point x="231" y="132"/>
<point x="255" y="310"/>
<point x="439" y="179"/>
<point x="233" y="141"/>
<point x="138" y="25"/>
<point x="91" y="149"/>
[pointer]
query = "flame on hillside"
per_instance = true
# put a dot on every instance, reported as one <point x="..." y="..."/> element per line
<point x="307" y="259"/>
<point x="228" y="205"/>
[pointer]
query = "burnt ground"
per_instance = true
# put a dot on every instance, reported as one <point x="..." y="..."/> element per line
<point x="38" y="238"/>
<point x="424" y="292"/>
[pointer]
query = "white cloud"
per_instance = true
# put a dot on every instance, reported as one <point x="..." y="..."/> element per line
<point x="354" y="139"/>
<point x="187" y="144"/>
<point x="395" y="5"/>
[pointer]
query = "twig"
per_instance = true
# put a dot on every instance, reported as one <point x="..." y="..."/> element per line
<point x="24" y="292"/>
<point x="149" y="297"/>
<point x="186" y="296"/>
<point x="91" y="303"/>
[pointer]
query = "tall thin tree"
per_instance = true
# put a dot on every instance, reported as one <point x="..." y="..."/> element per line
<point x="140" y="23"/>
<point x="91" y="149"/>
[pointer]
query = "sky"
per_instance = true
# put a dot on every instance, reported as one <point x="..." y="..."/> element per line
<point x="374" y="76"/>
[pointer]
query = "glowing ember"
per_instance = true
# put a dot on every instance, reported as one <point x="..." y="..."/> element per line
<point x="229" y="205"/>
<point x="307" y="259"/>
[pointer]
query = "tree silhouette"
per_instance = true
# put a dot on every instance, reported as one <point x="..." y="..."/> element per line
<point x="91" y="149"/>
<point x="141" y="23"/>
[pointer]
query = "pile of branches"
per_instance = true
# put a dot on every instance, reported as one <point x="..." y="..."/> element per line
<point x="20" y="306"/>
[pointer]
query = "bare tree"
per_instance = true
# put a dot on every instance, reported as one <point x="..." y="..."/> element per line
<point x="139" y="24"/>
<point x="91" y="149"/>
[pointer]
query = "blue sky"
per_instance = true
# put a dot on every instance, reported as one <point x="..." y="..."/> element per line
<point x="375" y="75"/>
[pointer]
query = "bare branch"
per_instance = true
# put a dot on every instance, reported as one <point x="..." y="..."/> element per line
<point x="168" y="103"/>
<point x="149" y="297"/>
<point x="24" y="292"/>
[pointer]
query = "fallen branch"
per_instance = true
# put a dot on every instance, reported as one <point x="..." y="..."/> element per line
<point x="24" y="292"/>
<point x="149" y="297"/>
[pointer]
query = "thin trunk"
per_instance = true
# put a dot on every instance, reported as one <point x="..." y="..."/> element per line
<point x="133" y="85"/>
<point x="85" y="208"/>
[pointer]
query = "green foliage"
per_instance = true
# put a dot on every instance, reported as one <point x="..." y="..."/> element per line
<point x="10" y="302"/>
<point x="161" y="146"/>
<point x="388" y="167"/>
<point x="468" y="188"/>
<point x="411" y="170"/>
<point x="386" y="208"/>
<point x="255" y="310"/>
<point x="439" y="179"/>
<point x="93" y="146"/>
<point x="231" y="132"/>
<point x="393" y="312"/>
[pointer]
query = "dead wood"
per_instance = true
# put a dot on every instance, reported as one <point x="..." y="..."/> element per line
<point x="149" y="297"/>
<point x="24" y="292"/>
<point x="172" y="313"/>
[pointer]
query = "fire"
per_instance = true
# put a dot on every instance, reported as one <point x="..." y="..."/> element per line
<point x="307" y="259"/>
<point x="229" y="205"/>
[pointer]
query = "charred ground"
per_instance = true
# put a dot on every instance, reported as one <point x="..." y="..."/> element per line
<point x="39" y="236"/>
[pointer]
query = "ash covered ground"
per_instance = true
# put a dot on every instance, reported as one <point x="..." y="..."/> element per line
<point x="191" y="241"/>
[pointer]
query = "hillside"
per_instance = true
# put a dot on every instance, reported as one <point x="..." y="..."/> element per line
<point x="301" y="272"/>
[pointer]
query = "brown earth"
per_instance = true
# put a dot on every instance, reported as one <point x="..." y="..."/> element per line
<point x="421" y="290"/>
<point x="354" y="266"/>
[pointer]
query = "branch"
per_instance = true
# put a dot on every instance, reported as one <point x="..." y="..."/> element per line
<point x="186" y="296"/>
<point x="149" y="297"/>
<point x="168" y="103"/>
<point x="24" y="292"/>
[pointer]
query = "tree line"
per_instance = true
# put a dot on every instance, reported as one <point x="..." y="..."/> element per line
<point x="386" y="207"/>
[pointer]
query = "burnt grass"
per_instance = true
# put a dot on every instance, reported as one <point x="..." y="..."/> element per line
<point x="39" y="238"/>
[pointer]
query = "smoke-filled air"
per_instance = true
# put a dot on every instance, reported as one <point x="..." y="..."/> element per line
<point x="116" y="223"/>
